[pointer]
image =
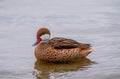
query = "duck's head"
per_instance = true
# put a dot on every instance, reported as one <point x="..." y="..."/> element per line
<point x="43" y="34"/>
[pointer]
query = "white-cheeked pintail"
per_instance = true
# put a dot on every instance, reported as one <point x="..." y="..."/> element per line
<point x="58" y="49"/>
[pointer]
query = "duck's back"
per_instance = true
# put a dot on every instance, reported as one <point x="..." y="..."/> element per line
<point x="64" y="43"/>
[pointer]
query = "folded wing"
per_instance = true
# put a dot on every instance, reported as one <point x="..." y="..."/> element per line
<point x="63" y="43"/>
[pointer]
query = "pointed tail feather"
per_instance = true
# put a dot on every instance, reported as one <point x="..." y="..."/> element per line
<point x="94" y="48"/>
<point x="84" y="53"/>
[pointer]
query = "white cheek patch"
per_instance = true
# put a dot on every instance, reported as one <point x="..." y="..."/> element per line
<point x="45" y="37"/>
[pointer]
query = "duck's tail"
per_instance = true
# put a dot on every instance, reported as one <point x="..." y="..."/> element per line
<point x="94" y="48"/>
<point x="84" y="53"/>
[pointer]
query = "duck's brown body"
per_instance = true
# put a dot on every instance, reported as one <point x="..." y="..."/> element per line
<point x="61" y="50"/>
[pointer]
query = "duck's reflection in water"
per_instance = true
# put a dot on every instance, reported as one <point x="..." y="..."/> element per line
<point x="44" y="69"/>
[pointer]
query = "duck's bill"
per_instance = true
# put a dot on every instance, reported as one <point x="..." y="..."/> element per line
<point x="35" y="44"/>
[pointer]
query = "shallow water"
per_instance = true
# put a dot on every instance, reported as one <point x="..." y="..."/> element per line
<point x="89" y="21"/>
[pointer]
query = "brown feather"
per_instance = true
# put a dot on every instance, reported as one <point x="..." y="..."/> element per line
<point x="63" y="43"/>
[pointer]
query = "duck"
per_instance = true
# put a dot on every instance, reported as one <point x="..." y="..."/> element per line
<point x="58" y="49"/>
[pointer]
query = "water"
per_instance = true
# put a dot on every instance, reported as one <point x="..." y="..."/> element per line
<point x="90" y="21"/>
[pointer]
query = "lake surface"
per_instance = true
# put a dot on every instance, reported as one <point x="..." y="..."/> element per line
<point x="89" y="21"/>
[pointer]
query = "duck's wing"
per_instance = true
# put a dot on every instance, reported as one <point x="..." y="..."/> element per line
<point x="63" y="43"/>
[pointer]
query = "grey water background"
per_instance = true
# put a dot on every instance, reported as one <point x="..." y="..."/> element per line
<point x="89" y="21"/>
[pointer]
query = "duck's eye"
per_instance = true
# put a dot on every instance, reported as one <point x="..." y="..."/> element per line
<point x="45" y="37"/>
